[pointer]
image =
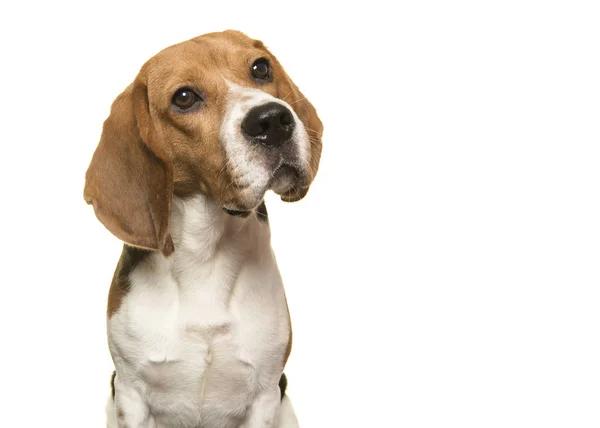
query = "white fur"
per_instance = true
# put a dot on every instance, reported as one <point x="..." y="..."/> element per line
<point x="199" y="339"/>
<point x="247" y="165"/>
<point x="287" y="416"/>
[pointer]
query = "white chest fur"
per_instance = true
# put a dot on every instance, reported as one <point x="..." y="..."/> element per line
<point x="201" y="336"/>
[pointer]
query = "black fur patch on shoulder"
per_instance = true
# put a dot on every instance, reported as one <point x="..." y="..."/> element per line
<point x="130" y="258"/>
<point x="282" y="385"/>
<point x="120" y="285"/>
<point x="261" y="213"/>
<point x="112" y="384"/>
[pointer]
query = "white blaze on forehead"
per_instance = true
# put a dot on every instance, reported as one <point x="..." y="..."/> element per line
<point x="246" y="164"/>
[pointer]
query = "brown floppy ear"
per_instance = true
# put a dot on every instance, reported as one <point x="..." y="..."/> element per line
<point x="129" y="181"/>
<point x="313" y="125"/>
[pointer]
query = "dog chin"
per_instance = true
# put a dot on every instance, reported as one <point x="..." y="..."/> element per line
<point x="284" y="179"/>
<point x="285" y="182"/>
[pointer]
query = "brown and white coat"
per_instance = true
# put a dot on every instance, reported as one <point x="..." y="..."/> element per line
<point x="198" y="325"/>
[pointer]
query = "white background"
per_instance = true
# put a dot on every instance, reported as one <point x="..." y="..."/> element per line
<point x="443" y="270"/>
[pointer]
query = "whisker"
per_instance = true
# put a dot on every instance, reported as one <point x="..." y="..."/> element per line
<point x="244" y="221"/>
<point x="310" y="130"/>
<point x="297" y="101"/>
<point x="286" y="95"/>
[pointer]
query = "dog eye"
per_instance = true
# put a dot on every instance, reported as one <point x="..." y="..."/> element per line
<point x="185" y="98"/>
<point x="260" y="69"/>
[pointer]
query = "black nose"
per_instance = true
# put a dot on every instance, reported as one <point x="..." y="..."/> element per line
<point x="271" y="124"/>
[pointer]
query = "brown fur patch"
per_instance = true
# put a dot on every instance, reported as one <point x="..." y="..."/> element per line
<point x="129" y="182"/>
<point x="130" y="258"/>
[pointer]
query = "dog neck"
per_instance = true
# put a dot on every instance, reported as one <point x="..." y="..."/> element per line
<point x="201" y="229"/>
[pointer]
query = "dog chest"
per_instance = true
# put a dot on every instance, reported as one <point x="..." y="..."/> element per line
<point x="202" y="333"/>
<point x="182" y="345"/>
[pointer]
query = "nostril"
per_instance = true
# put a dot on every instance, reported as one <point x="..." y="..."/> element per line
<point x="264" y="126"/>
<point x="254" y="128"/>
<point x="286" y="118"/>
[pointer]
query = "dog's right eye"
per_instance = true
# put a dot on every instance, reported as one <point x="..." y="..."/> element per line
<point x="185" y="99"/>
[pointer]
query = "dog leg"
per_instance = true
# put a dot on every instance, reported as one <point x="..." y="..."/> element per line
<point x="263" y="413"/>
<point x="287" y="416"/>
<point x="128" y="409"/>
<point x="111" y="413"/>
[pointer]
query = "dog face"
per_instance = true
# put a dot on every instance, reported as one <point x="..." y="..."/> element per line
<point x="216" y="114"/>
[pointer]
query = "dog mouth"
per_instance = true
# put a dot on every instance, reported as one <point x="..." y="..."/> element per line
<point x="284" y="178"/>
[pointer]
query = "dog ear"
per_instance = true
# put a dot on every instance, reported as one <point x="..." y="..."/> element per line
<point x="129" y="181"/>
<point x="313" y="125"/>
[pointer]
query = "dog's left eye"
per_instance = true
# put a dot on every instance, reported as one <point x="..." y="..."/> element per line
<point x="185" y="99"/>
<point x="261" y="69"/>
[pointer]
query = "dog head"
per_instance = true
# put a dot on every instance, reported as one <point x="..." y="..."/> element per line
<point x="216" y="114"/>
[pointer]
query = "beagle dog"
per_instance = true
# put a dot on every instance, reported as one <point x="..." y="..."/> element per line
<point x="198" y="325"/>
